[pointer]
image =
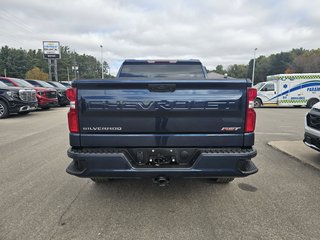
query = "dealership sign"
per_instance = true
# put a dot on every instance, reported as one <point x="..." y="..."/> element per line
<point x="51" y="49"/>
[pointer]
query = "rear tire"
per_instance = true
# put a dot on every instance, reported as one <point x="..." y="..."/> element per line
<point x="4" y="110"/>
<point x="45" y="108"/>
<point x="257" y="103"/>
<point x="312" y="102"/>
<point x="223" y="180"/>
<point x="100" y="180"/>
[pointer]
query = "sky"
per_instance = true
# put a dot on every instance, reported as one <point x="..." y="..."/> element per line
<point x="216" y="32"/>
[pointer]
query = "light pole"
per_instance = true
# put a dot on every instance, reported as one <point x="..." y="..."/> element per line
<point x="108" y="68"/>
<point x="101" y="61"/>
<point x="68" y="74"/>
<point x="254" y="65"/>
<point x="75" y="68"/>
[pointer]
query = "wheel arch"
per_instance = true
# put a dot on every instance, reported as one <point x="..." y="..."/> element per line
<point x="6" y="112"/>
<point x="260" y="100"/>
<point x="3" y="99"/>
<point x="310" y="100"/>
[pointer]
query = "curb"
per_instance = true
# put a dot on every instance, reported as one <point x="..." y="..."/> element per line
<point x="274" y="144"/>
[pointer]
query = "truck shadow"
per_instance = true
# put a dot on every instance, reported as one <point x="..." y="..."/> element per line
<point x="145" y="188"/>
<point x="133" y="204"/>
<point x="139" y="204"/>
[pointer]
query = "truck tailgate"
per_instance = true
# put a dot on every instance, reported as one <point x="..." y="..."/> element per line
<point x="161" y="107"/>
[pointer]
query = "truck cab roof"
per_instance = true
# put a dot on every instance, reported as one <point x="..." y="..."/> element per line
<point x="166" y="69"/>
<point x="191" y="61"/>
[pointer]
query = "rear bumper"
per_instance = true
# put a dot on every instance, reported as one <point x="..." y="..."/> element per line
<point x="115" y="163"/>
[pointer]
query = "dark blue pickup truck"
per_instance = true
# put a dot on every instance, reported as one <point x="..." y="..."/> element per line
<point x="162" y="120"/>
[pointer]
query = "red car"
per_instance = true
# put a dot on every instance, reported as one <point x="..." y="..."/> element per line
<point x="46" y="97"/>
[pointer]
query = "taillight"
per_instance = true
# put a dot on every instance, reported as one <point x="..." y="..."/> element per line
<point x="73" y="113"/>
<point x="250" y="114"/>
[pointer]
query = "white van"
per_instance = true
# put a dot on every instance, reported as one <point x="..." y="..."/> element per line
<point x="300" y="89"/>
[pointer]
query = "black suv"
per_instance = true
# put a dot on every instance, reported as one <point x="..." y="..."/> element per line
<point x="16" y="100"/>
<point x="61" y="91"/>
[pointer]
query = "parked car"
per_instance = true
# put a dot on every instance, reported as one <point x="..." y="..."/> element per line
<point x="67" y="84"/>
<point x="16" y="100"/>
<point x="46" y="97"/>
<point x="57" y="84"/>
<point x="61" y="90"/>
<point x="312" y="128"/>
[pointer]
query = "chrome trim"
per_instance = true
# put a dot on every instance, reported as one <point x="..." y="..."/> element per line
<point x="27" y="95"/>
<point x="24" y="108"/>
<point x="311" y="145"/>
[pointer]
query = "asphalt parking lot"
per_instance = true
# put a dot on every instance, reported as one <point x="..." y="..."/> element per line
<point x="39" y="200"/>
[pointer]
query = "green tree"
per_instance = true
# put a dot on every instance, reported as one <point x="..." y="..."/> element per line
<point x="36" y="73"/>
<point x="16" y="63"/>
<point x="220" y="70"/>
<point x="238" y="71"/>
<point x="274" y="64"/>
<point x="308" y="62"/>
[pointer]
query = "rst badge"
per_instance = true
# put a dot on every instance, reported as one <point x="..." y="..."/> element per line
<point x="230" y="129"/>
